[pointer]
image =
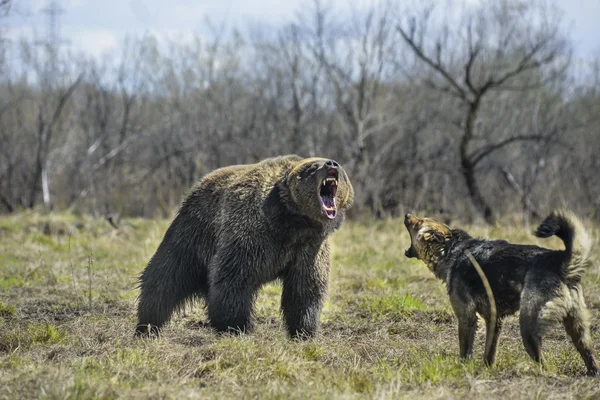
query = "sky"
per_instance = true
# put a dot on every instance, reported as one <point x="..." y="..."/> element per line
<point x="97" y="26"/>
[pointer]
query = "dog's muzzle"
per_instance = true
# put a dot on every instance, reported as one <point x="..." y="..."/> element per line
<point x="410" y="252"/>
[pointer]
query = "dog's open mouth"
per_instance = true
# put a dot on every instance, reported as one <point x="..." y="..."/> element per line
<point x="410" y="252"/>
<point x="327" y="192"/>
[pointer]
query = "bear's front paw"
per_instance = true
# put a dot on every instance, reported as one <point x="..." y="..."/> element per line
<point x="302" y="333"/>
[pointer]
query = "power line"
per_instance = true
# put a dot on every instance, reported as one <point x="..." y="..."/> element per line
<point x="53" y="40"/>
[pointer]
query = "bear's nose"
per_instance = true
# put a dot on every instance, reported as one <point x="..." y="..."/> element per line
<point x="332" y="164"/>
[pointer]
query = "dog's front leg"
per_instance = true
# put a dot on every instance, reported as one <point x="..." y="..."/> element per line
<point x="466" y="335"/>
<point x="467" y="325"/>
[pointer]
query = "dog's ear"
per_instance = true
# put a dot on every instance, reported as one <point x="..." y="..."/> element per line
<point x="434" y="236"/>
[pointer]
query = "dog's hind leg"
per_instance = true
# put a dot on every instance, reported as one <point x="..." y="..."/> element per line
<point x="532" y="324"/>
<point x="577" y="325"/>
<point x="580" y="335"/>
<point x="532" y="341"/>
<point x="545" y="301"/>
<point x="490" y="355"/>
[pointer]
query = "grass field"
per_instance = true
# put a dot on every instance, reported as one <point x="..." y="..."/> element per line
<point x="67" y="314"/>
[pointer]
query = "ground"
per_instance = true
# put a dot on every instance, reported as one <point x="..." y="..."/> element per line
<point x="67" y="315"/>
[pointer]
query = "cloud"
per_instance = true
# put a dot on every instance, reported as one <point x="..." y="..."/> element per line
<point x="143" y="13"/>
<point x="95" y="42"/>
<point x="95" y="26"/>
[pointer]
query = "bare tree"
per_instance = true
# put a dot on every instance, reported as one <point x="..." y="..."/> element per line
<point x="358" y="58"/>
<point x="4" y="10"/>
<point x="5" y="5"/>
<point x="50" y="104"/>
<point x="496" y="46"/>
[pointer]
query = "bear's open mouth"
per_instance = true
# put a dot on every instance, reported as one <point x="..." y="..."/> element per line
<point x="327" y="192"/>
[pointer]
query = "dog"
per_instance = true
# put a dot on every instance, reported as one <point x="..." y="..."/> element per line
<point x="543" y="285"/>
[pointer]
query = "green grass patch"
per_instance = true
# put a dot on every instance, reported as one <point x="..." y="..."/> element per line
<point x="33" y="334"/>
<point x="435" y="368"/>
<point x="390" y="307"/>
<point x="45" y="333"/>
<point x="312" y="352"/>
<point x="45" y="240"/>
<point x="7" y="310"/>
<point x="361" y="381"/>
<point x="136" y="364"/>
<point x="12" y="281"/>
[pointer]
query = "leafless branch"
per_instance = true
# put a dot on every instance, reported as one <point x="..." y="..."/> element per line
<point x="487" y="150"/>
<point x="435" y="65"/>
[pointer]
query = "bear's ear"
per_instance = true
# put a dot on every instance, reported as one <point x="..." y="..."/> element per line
<point x="348" y="200"/>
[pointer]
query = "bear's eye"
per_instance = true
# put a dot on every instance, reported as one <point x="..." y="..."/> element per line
<point x="310" y="170"/>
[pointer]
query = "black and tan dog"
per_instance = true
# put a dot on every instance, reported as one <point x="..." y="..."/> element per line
<point x="544" y="285"/>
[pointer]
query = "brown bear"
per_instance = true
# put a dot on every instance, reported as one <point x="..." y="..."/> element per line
<point x="241" y="227"/>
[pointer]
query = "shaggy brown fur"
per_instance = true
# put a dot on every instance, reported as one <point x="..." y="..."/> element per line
<point x="241" y="227"/>
<point x="544" y="285"/>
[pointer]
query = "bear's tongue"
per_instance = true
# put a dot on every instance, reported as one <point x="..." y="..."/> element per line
<point x="328" y="207"/>
<point x="327" y="199"/>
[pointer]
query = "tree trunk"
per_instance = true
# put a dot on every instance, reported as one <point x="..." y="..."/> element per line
<point x="46" y="189"/>
<point x="39" y="162"/>
<point x="468" y="168"/>
<point x="477" y="199"/>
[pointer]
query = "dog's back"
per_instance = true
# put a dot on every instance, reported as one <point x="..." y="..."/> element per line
<point x="505" y="265"/>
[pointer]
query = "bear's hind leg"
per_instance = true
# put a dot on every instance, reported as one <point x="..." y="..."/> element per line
<point x="230" y="307"/>
<point x="160" y="297"/>
<point x="173" y="276"/>
<point x="232" y="289"/>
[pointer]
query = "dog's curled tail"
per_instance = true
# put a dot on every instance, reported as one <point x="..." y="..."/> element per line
<point x="578" y="243"/>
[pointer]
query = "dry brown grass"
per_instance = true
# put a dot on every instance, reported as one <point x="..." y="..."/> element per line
<point x="387" y="329"/>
